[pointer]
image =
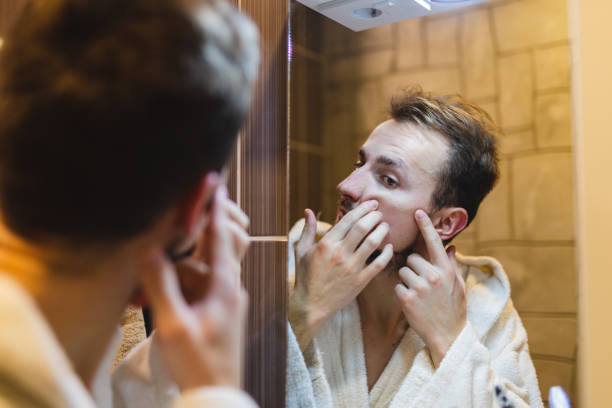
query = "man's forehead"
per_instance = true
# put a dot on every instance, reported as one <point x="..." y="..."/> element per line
<point x="407" y="142"/>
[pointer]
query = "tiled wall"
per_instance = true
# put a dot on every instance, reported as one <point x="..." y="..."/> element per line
<point x="512" y="58"/>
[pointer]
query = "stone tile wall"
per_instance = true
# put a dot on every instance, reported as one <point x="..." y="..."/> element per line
<point x="512" y="58"/>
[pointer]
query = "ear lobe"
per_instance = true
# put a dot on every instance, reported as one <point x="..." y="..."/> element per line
<point x="452" y="221"/>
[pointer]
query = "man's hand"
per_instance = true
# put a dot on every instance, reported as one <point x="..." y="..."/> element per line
<point x="433" y="293"/>
<point x="331" y="273"/>
<point x="201" y="337"/>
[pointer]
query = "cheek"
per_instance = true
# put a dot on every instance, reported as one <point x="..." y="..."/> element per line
<point x="402" y="229"/>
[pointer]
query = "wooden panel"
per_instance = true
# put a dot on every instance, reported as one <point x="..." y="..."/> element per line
<point x="262" y="167"/>
<point x="9" y="11"/>
<point x="264" y="275"/>
<point x="264" y="145"/>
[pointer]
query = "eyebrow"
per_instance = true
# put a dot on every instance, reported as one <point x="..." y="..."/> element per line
<point x="384" y="160"/>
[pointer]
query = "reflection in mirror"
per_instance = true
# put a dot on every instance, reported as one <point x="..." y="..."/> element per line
<point x="510" y="58"/>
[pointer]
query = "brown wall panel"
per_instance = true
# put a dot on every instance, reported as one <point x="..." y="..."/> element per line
<point x="9" y="11"/>
<point x="262" y="183"/>
<point x="264" y="275"/>
<point x="264" y="145"/>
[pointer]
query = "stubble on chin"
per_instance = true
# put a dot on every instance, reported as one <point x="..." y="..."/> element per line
<point x="398" y="260"/>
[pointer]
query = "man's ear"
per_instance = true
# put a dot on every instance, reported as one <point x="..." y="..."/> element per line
<point x="195" y="204"/>
<point x="450" y="221"/>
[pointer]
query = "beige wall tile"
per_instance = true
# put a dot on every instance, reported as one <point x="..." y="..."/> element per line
<point x="442" y="37"/>
<point x="552" y="67"/>
<point x="409" y="44"/>
<point x="466" y="241"/>
<point x="542" y="191"/>
<point x="494" y="212"/>
<point x="513" y="142"/>
<point x="553" y="126"/>
<point x="379" y="37"/>
<point x="478" y="55"/>
<point x="336" y="38"/>
<point x="338" y="97"/>
<point x="554" y="373"/>
<point x="516" y="90"/>
<point x="370" y="107"/>
<point x="490" y="108"/>
<point x="542" y="279"/>
<point x="530" y="22"/>
<point x="366" y="65"/>
<point x="552" y="336"/>
<point x="439" y="81"/>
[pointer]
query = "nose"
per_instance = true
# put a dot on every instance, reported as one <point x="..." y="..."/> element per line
<point x="352" y="187"/>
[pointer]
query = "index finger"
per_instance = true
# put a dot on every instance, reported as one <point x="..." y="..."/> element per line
<point x="343" y="226"/>
<point x="435" y="247"/>
<point x="219" y="243"/>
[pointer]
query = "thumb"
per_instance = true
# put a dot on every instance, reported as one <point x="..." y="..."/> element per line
<point x="309" y="232"/>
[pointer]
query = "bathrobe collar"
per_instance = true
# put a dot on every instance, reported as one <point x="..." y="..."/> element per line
<point x="32" y="363"/>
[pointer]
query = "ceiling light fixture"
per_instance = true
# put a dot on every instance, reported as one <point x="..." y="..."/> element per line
<point x="424" y="4"/>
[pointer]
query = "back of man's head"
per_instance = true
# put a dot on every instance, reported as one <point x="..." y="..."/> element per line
<point x="471" y="170"/>
<point x="112" y="110"/>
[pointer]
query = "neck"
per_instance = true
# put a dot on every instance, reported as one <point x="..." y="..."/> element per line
<point x="81" y="296"/>
<point x="377" y="302"/>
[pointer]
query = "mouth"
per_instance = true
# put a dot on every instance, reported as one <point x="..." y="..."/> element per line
<point x="344" y="206"/>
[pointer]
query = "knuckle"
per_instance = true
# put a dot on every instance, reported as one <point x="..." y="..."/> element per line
<point x="434" y="278"/>
<point x="323" y="246"/>
<point x="419" y="287"/>
<point x="371" y="241"/>
<point x="172" y="332"/>
<point x="337" y="257"/>
<point x="361" y="228"/>
<point x="407" y="298"/>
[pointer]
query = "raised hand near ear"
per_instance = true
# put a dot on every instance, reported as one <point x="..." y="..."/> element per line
<point x="432" y="292"/>
<point x="332" y="272"/>
<point x="201" y="338"/>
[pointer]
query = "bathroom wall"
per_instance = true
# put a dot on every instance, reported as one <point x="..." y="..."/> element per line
<point x="590" y="33"/>
<point x="258" y="183"/>
<point x="512" y="58"/>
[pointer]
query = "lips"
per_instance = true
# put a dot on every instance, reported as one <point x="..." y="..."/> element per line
<point x="344" y="206"/>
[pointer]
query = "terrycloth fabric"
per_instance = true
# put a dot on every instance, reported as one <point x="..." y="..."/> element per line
<point x="132" y="332"/>
<point x="491" y="351"/>
<point x="35" y="371"/>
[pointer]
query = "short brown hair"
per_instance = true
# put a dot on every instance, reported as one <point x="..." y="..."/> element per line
<point x="471" y="169"/>
<point x="112" y="110"/>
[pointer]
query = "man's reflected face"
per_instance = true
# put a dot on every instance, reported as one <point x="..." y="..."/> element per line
<point x="398" y="166"/>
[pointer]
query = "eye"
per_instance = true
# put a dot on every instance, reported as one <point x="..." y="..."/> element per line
<point x="389" y="181"/>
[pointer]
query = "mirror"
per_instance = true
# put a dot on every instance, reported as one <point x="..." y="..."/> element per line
<point x="509" y="57"/>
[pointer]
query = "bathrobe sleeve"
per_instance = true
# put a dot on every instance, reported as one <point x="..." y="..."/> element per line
<point x="141" y="381"/>
<point x="307" y="386"/>
<point x="473" y="368"/>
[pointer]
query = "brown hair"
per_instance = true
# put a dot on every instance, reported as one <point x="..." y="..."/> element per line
<point x="111" y="110"/>
<point x="472" y="166"/>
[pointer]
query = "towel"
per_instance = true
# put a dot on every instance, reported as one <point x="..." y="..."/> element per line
<point x="36" y="372"/>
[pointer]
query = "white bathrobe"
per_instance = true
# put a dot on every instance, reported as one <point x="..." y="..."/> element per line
<point x="35" y="371"/>
<point x="491" y="351"/>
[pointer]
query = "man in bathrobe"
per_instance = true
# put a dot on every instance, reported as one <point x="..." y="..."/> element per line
<point x="116" y="120"/>
<point x="381" y="314"/>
